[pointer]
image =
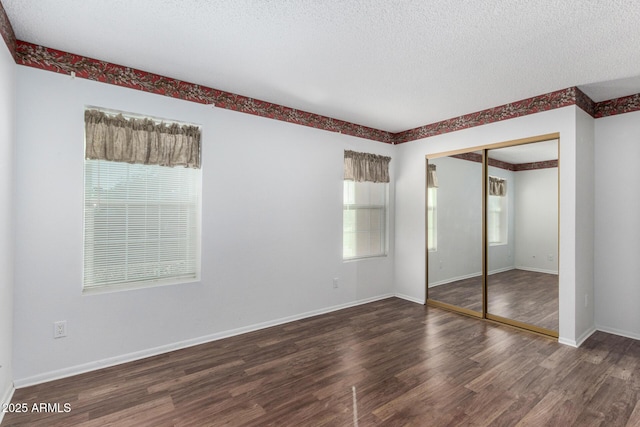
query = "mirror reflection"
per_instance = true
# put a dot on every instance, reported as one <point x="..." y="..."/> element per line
<point x="522" y="234"/>
<point x="454" y="230"/>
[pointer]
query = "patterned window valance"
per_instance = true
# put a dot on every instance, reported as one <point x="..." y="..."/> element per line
<point x="497" y="186"/>
<point x="432" y="177"/>
<point x="144" y="141"/>
<point x="365" y="167"/>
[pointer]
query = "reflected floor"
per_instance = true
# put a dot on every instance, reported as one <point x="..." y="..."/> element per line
<point x="521" y="295"/>
<point x="465" y="293"/>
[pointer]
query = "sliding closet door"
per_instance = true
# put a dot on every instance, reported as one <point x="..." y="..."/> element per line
<point x="454" y="232"/>
<point x="522" y="236"/>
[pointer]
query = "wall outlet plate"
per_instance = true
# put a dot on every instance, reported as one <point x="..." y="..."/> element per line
<point x="60" y="329"/>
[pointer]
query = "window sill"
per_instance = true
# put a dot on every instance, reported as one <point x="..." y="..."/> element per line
<point x="121" y="287"/>
<point x="363" y="258"/>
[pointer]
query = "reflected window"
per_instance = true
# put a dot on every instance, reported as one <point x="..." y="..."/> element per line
<point x="497" y="220"/>
<point x="432" y="219"/>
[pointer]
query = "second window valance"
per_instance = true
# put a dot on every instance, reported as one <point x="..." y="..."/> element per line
<point x="497" y="186"/>
<point x="365" y="167"/>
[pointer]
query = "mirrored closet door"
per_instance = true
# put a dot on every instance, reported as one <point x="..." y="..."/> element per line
<point x="454" y="232"/>
<point x="522" y="235"/>
<point x="492" y="232"/>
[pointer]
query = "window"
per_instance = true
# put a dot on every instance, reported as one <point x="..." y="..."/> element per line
<point x="141" y="221"/>
<point x="497" y="220"/>
<point x="364" y="219"/>
<point x="432" y="207"/>
<point x="432" y="219"/>
<point x="365" y="196"/>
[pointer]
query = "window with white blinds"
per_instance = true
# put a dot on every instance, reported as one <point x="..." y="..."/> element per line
<point x="432" y="219"/>
<point x="364" y="229"/>
<point x="141" y="224"/>
<point x="497" y="220"/>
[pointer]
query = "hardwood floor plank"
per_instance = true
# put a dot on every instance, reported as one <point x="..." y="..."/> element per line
<point x="150" y="412"/>
<point x="411" y="365"/>
<point x="634" y="418"/>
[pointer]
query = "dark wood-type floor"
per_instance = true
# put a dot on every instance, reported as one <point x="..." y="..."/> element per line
<point x="411" y="365"/>
<point x="526" y="296"/>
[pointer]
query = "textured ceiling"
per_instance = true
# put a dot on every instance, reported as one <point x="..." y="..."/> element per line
<point x="388" y="64"/>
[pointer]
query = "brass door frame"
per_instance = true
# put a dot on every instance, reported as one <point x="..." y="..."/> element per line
<point x="485" y="173"/>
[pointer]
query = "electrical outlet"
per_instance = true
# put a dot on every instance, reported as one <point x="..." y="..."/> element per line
<point x="550" y="257"/>
<point x="335" y="282"/>
<point x="60" y="329"/>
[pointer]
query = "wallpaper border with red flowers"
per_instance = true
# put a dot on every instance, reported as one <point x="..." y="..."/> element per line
<point x="549" y="101"/>
<point x="88" y="68"/>
<point x="44" y="58"/>
<point x="616" y="106"/>
<point x="7" y="32"/>
<point x="515" y="167"/>
<point x="63" y="62"/>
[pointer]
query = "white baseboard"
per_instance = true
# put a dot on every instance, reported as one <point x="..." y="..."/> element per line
<point x="6" y="400"/>
<point x="501" y="270"/>
<point x="582" y="338"/>
<point x="496" y="271"/>
<point x="578" y="342"/>
<point x="619" y="332"/>
<point x="537" y="270"/>
<point x="410" y="298"/>
<point x="454" y="279"/>
<point x="130" y="357"/>
<point x="570" y="343"/>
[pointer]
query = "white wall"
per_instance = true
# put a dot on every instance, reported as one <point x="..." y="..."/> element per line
<point x="410" y="201"/>
<point x="271" y="233"/>
<point x="536" y="220"/>
<point x="585" y="224"/>
<point x="617" y="228"/>
<point x="7" y="79"/>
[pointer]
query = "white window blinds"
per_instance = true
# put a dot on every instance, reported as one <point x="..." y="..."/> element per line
<point x="141" y="223"/>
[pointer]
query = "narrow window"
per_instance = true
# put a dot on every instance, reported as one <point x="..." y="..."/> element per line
<point x="432" y="208"/>
<point x="497" y="220"/>
<point x="432" y="219"/>
<point x="365" y="205"/>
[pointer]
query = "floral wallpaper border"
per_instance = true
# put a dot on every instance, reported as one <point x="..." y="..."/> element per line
<point x="622" y="105"/>
<point x="32" y="55"/>
<point x="549" y="101"/>
<point x="517" y="167"/>
<point x="584" y="102"/>
<point x="547" y="164"/>
<point x="7" y="32"/>
<point x="66" y="63"/>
